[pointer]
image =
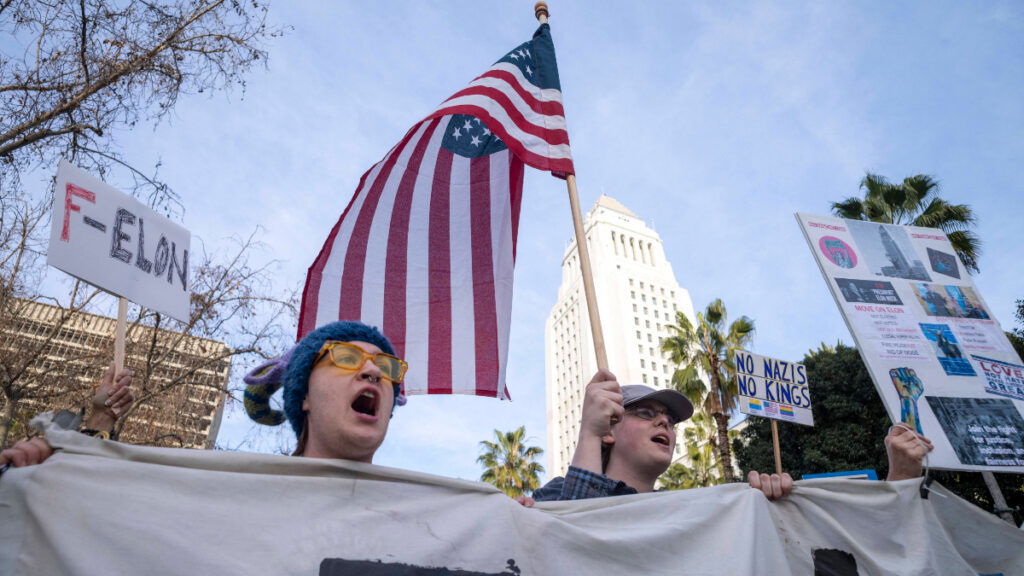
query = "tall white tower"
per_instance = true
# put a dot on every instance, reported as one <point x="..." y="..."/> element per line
<point x="637" y="296"/>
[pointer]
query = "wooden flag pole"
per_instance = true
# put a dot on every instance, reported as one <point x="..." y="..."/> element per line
<point x="775" y="443"/>
<point x="119" y="335"/>
<point x="588" y="277"/>
<point x="540" y="10"/>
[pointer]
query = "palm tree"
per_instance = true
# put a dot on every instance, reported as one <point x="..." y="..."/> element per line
<point x="704" y="355"/>
<point x="699" y="439"/>
<point x="915" y="202"/>
<point x="509" y="464"/>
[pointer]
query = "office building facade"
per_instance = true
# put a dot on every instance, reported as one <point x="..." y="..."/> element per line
<point x="180" y="381"/>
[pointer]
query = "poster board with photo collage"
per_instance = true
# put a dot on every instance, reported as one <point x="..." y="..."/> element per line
<point x="941" y="363"/>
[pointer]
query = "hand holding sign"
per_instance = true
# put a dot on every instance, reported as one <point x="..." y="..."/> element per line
<point x="113" y="397"/>
<point x="906" y="450"/>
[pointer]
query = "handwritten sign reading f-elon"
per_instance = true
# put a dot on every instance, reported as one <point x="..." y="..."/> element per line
<point x="115" y="242"/>
<point x="773" y="388"/>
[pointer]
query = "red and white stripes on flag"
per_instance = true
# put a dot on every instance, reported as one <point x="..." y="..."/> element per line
<point x="530" y="123"/>
<point x="425" y="249"/>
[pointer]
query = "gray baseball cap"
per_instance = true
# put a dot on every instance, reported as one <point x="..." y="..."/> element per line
<point x="677" y="404"/>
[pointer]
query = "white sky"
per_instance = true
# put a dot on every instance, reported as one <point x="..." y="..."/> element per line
<point x="712" y="121"/>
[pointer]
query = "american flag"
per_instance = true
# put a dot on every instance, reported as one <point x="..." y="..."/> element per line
<point x="426" y="247"/>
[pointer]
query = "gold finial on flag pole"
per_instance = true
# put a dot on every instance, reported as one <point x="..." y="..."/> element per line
<point x="540" y="10"/>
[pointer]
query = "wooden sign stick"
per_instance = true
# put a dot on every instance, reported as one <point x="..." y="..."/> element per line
<point x="119" y="335"/>
<point x="778" y="452"/>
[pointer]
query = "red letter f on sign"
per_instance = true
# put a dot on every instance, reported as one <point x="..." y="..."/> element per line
<point x="70" y="206"/>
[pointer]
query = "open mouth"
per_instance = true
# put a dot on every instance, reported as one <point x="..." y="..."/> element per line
<point x="659" y="439"/>
<point x="366" y="403"/>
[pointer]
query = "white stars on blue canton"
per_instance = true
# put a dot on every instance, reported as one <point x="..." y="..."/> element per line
<point x="522" y="59"/>
<point x="468" y="136"/>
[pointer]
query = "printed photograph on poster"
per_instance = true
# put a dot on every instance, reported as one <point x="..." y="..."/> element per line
<point x="982" y="431"/>
<point x="887" y="251"/>
<point x="943" y="263"/>
<point x="883" y="322"/>
<point x="1002" y="378"/>
<point x="837" y="252"/>
<point x="947" y="350"/>
<point x="910" y="388"/>
<point x="949" y="301"/>
<point x="868" y="291"/>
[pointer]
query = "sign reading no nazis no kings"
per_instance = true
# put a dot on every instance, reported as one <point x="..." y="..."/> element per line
<point x="773" y="388"/>
<point x="116" y="243"/>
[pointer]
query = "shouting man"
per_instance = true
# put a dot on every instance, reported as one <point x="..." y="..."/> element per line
<point x="627" y="440"/>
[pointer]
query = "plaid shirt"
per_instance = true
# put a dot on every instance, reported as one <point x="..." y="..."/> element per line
<point x="580" y="484"/>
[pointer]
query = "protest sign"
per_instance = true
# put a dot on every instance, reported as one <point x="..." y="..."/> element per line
<point x="941" y="363"/>
<point x="116" y="243"/>
<point x="773" y="388"/>
<point x="178" y="511"/>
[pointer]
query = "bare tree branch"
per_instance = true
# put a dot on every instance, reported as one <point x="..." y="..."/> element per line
<point x="90" y="66"/>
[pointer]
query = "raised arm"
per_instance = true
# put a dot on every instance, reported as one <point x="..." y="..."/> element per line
<point x="602" y="407"/>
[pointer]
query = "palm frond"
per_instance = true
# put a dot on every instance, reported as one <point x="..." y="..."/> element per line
<point x="915" y="201"/>
<point x="509" y="464"/>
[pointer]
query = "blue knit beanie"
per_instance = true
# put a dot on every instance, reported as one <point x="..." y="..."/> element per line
<point x="292" y="371"/>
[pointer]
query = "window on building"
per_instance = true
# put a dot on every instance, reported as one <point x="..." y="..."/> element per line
<point x="636" y="320"/>
<point x="643" y="297"/>
<point x="634" y="307"/>
<point x="641" y="285"/>
<point x="638" y="336"/>
<point x="647" y="323"/>
<point x="649" y="339"/>
<point x="642" y="363"/>
<point x="645" y="378"/>
<point x="655" y="380"/>
<point x="632" y="294"/>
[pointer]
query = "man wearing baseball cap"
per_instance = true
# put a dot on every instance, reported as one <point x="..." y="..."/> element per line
<point x="627" y="440"/>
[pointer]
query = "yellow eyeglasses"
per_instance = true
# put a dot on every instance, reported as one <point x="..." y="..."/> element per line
<point x="348" y="356"/>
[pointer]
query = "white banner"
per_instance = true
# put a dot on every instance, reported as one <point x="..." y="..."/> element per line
<point x="940" y="361"/>
<point x="117" y="243"/>
<point x="100" y="507"/>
